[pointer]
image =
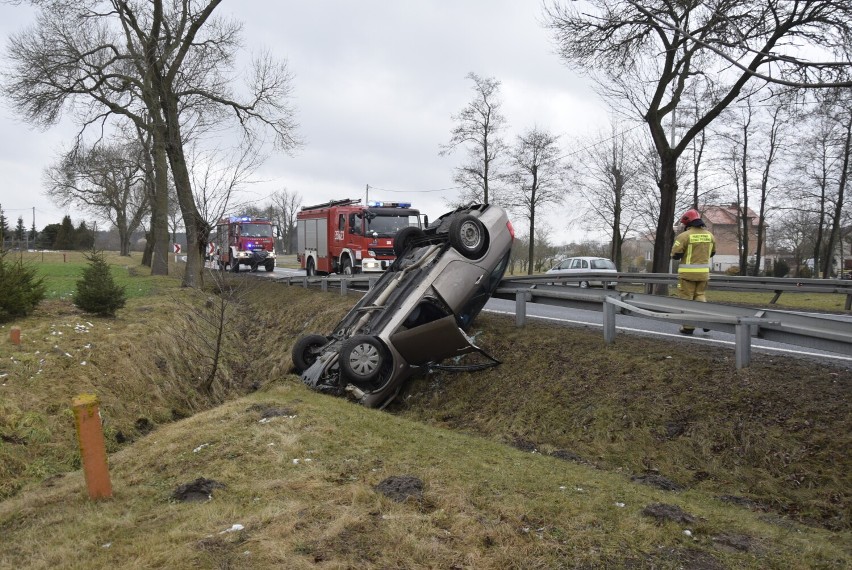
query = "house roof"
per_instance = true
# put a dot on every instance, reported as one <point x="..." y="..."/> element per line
<point x="724" y="215"/>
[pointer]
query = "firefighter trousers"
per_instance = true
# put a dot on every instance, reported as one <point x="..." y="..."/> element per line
<point x="691" y="291"/>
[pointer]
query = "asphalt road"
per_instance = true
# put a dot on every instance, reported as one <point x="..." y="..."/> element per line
<point x="642" y="326"/>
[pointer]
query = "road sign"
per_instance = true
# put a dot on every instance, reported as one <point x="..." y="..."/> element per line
<point x="211" y="248"/>
<point x="177" y="248"/>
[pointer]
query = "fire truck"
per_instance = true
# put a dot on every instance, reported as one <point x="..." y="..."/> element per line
<point x="244" y="240"/>
<point x="345" y="236"/>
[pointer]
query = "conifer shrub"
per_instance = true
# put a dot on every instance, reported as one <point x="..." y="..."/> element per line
<point x="20" y="288"/>
<point x="97" y="291"/>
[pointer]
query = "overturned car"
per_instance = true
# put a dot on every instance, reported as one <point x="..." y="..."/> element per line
<point x="416" y="315"/>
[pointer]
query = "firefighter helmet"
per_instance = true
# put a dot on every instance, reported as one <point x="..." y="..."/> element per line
<point x="690" y="216"/>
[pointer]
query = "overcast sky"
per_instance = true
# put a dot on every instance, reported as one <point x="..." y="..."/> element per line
<point x="375" y="86"/>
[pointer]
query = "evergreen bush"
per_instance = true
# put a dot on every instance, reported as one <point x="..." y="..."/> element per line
<point x="781" y="269"/>
<point x="20" y="289"/>
<point x="96" y="291"/>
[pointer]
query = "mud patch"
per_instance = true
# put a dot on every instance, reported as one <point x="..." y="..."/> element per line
<point x="663" y="512"/>
<point x="734" y="542"/>
<point x="200" y="490"/>
<point x="566" y="455"/>
<point x="401" y="488"/>
<point x="525" y="445"/>
<point x="658" y="481"/>
<point x="270" y="411"/>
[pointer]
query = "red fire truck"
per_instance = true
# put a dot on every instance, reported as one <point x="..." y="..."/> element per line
<point x="244" y="240"/>
<point x="344" y="236"/>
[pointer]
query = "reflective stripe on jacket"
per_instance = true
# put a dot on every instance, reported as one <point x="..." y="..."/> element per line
<point x="697" y="246"/>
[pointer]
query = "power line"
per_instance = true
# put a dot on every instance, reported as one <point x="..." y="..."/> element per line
<point x="417" y="191"/>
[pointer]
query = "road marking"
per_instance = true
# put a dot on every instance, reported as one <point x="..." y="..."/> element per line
<point x="680" y="336"/>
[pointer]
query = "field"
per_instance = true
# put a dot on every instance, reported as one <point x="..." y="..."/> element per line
<point x="569" y="454"/>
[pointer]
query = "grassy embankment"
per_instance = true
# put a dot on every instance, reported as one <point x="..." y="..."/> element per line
<point x="527" y="465"/>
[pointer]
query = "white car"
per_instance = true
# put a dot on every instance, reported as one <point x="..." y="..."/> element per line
<point x="579" y="265"/>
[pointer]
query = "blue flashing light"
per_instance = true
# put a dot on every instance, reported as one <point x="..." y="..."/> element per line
<point x="377" y="204"/>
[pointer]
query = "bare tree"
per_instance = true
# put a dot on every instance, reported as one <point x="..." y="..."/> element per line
<point x="610" y="186"/>
<point x="478" y="127"/>
<point x="108" y="181"/>
<point x="647" y="53"/>
<point x="168" y="67"/>
<point x="535" y="179"/>
<point x="285" y="206"/>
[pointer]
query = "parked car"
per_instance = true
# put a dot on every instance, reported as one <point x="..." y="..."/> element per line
<point x="418" y="312"/>
<point x="575" y="265"/>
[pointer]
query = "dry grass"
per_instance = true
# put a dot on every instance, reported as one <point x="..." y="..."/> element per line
<point x="761" y="435"/>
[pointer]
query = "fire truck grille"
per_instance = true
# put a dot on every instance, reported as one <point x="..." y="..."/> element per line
<point x="382" y="251"/>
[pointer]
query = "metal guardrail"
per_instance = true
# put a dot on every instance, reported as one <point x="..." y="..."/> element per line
<point x="822" y="333"/>
<point x="776" y="285"/>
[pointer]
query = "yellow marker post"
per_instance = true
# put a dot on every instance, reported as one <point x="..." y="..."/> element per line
<point x="15" y="336"/>
<point x="90" y="435"/>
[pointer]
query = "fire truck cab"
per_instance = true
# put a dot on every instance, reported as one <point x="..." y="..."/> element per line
<point x="244" y="240"/>
<point x="346" y="237"/>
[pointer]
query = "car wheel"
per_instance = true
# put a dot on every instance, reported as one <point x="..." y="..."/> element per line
<point x="310" y="268"/>
<point x="403" y="239"/>
<point x="362" y="357"/>
<point x="346" y="266"/>
<point x="306" y="351"/>
<point x="584" y="284"/>
<point x="468" y="236"/>
<point x="270" y="266"/>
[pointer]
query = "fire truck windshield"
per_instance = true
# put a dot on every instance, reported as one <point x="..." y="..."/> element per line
<point x="255" y="230"/>
<point x="387" y="226"/>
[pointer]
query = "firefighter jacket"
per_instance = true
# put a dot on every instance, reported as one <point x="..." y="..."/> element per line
<point x="694" y="248"/>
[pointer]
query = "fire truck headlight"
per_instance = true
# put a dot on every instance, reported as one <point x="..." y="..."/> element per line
<point x="371" y="253"/>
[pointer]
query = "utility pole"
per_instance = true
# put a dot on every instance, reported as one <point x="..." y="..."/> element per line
<point x="367" y="196"/>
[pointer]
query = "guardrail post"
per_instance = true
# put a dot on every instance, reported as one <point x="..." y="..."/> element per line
<point x="305" y="282"/>
<point x="521" y="308"/>
<point x="608" y="322"/>
<point x="343" y="286"/>
<point x="849" y="302"/>
<point x="742" y="345"/>
<point x="324" y="284"/>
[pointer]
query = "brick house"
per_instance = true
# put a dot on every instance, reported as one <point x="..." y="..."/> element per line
<point x="722" y="221"/>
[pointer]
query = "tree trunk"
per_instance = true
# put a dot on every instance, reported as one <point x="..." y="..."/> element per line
<point x="665" y="229"/>
<point x="837" y="220"/>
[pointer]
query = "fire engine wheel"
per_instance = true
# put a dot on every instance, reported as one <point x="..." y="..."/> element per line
<point x="310" y="268"/>
<point x="403" y="239"/>
<point x="346" y="266"/>
<point x="362" y="358"/>
<point x="306" y="351"/>
<point x="469" y="236"/>
<point x="235" y="266"/>
<point x="270" y="266"/>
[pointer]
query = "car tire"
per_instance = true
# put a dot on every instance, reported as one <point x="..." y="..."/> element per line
<point x="270" y="266"/>
<point x="584" y="284"/>
<point x="362" y="358"/>
<point x="469" y="236"/>
<point x="310" y="268"/>
<point x="404" y="238"/>
<point x="346" y="266"/>
<point x="304" y="352"/>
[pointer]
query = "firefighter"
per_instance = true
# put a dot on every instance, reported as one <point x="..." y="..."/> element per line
<point x="693" y="248"/>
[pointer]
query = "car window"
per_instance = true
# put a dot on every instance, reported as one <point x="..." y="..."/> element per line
<point x="577" y="264"/>
<point x="585" y="264"/>
<point x="602" y="264"/>
<point x="565" y="264"/>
